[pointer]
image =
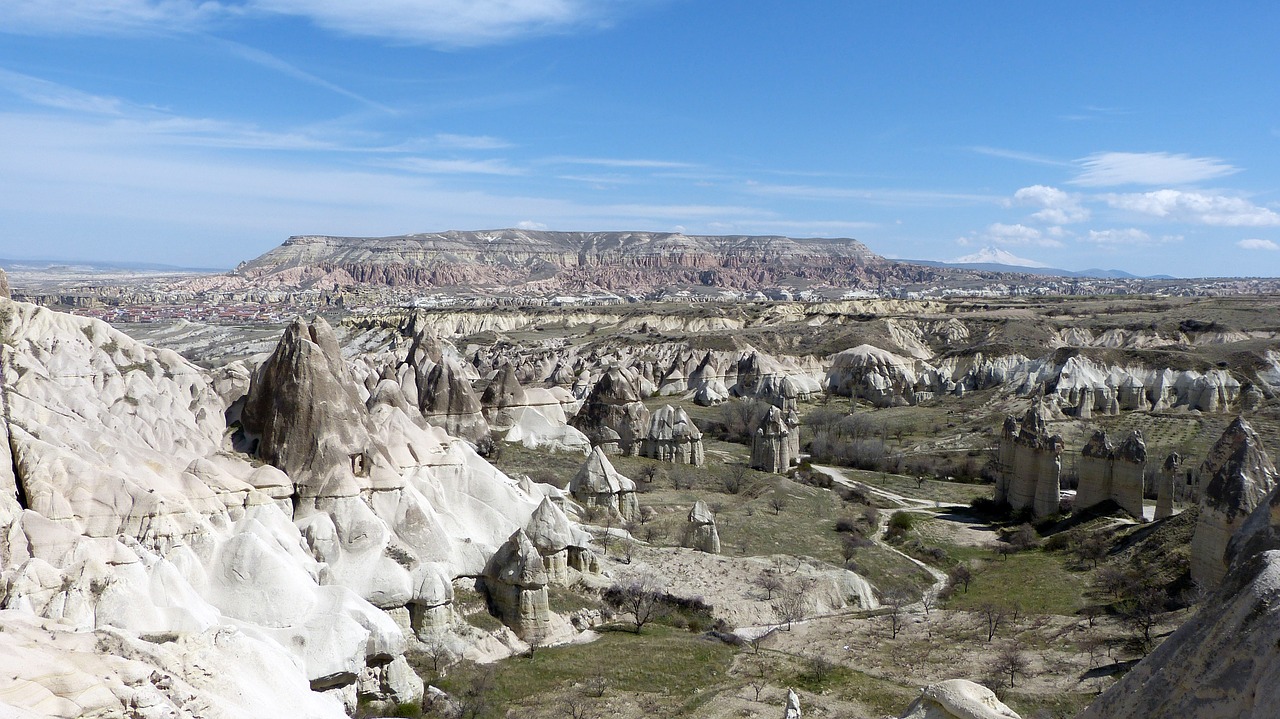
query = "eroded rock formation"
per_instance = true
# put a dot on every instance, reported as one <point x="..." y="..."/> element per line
<point x="1028" y="463"/>
<point x="613" y="415"/>
<point x="598" y="484"/>
<point x="673" y="437"/>
<point x="1238" y="476"/>
<point x="700" y="530"/>
<point x="515" y="582"/>
<point x="774" y="442"/>
<point x="1112" y="473"/>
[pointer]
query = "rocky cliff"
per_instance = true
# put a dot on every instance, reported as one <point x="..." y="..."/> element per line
<point x="552" y="261"/>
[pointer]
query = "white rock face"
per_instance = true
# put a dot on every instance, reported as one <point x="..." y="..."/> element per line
<point x="958" y="699"/>
<point x="1240" y="476"/>
<point x="126" y="516"/>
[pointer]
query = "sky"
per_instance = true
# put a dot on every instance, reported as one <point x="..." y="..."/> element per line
<point x="201" y="133"/>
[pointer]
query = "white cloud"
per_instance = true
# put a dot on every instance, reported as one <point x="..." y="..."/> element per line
<point x="1001" y="234"/>
<point x="530" y="225"/>
<point x="1256" y="244"/>
<point x="1199" y="207"/>
<point x="1103" y="169"/>
<point x="431" y="22"/>
<point x="1128" y="236"/>
<point x="1057" y="207"/>
<point x="470" y="142"/>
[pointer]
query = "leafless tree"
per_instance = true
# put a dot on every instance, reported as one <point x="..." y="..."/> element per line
<point x="735" y="478"/>
<point x="793" y="604"/>
<point x="771" y="583"/>
<point x="640" y="595"/>
<point x="757" y="678"/>
<point x="1011" y="661"/>
<point x="993" y="615"/>
<point x="778" y="502"/>
<point x="960" y="575"/>
<point x="896" y="602"/>
<point x="437" y="652"/>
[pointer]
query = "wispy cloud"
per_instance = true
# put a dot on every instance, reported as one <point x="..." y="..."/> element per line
<point x="430" y="166"/>
<point x="1257" y="244"/>
<point x="1105" y="169"/>
<point x="1128" y="237"/>
<point x="620" y="163"/>
<point x="445" y="23"/>
<point x="53" y="95"/>
<point x="1198" y="207"/>
<point x="109" y="17"/>
<point x="469" y="142"/>
<point x="892" y="197"/>
<point x="271" y="62"/>
<point x="1019" y="156"/>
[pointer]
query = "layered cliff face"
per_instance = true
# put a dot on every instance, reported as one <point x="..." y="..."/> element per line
<point x="547" y="261"/>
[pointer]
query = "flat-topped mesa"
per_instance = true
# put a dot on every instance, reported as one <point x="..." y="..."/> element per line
<point x="614" y="415"/>
<point x="304" y="416"/>
<point x="598" y="484"/>
<point x="1112" y="473"/>
<point x="618" y="261"/>
<point x="1029" y="460"/>
<point x="673" y="437"/>
<point x="773" y="441"/>
<point x="1240" y="475"/>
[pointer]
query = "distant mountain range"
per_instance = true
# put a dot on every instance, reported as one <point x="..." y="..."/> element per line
<point x="98" y="265"/>
<point x="990" y="259"/>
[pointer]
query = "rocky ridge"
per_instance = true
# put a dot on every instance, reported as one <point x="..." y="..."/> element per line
<point x="528" y="261"/>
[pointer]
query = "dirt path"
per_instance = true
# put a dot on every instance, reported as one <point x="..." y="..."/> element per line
<point x="908" y="504"/>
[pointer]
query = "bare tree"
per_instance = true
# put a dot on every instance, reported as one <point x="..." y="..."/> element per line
<point x="896" y="601"/>
<point x="757" y="678"/>
<point x="476" y="696"/>
<point x="735" y="478"/>
<point x="793" y="604"/>
<point x="960" y="575"/>
<point x="1142" y="611"/>
<point x="1011" y="661"/>
<point x="640" y="595"/>
<point x="777" y="502"/>
<point x="437" y="652"/>
<point x="994" y="616"/>
<point x="771" y="583"/>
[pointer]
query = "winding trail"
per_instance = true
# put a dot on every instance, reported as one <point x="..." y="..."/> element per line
<point x="909" y="504"/>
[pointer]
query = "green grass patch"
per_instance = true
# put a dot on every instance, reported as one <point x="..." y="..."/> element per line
<point x="1038" y="581"/>
<point x="672" y="666"/>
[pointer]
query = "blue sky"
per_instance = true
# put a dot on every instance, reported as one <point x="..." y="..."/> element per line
<point x="1138" y="136"/>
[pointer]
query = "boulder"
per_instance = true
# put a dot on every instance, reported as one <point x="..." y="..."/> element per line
<point x="792" y="710"/>
<point x="959" y="699"/>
